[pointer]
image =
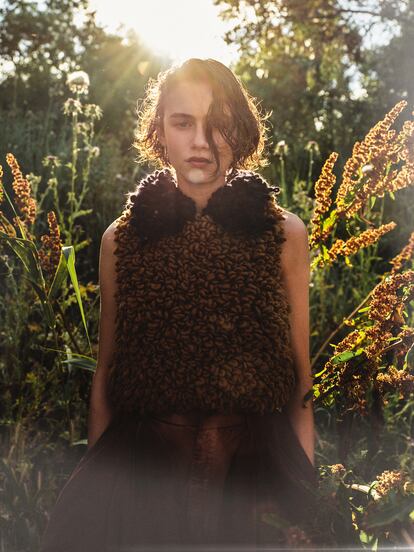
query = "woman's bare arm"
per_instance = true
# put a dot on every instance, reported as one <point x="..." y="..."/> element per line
<point x="295" y="262"/>
<point x="100" y="413"/>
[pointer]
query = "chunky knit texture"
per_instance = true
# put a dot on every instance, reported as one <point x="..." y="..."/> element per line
<point x="202" y="314"/>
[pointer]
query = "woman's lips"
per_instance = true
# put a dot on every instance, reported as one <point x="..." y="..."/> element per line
<point x="198" y="162"/>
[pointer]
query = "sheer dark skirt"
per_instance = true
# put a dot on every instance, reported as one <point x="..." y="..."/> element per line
<point x="169" y="483"/>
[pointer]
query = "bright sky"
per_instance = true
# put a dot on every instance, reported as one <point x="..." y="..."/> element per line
<point x="177" y="28"/>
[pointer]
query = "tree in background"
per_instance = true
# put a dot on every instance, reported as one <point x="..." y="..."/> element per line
<point x="302" y="58"/>
<point x="387" y="72"/>
<point x="40" y="45"/>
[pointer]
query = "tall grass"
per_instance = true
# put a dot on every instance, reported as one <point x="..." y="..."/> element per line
<point x="45" y="335"/>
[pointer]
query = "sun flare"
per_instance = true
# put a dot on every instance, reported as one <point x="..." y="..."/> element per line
<point x="178" y="29"/>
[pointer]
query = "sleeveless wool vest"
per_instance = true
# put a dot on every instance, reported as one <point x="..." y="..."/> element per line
<point x="202" y="314"/>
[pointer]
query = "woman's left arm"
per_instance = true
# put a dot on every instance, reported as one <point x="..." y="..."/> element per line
<point x="295" y="264"/>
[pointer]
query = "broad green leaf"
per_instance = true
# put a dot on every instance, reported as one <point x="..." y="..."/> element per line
<point x="346" y="355"/>
<point x="59" y="278"/>
<point x="28" y="254"/>
<point x="26" y="251"/>
<point x="69" y="259"/>
<point x="17" y="244"/>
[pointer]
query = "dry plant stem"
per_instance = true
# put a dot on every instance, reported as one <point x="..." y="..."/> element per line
<point x="334" y="332"/>
<point x="53" y="190"/>
<point x="310" y="168"/>
<point x="73" y="170"/>
<point x="392" y="346"/>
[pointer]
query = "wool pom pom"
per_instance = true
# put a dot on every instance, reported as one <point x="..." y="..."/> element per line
<point x="239" y="206"/>
<point x="159" y="208"/>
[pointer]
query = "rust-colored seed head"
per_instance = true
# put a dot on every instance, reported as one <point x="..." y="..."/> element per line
<point x="379" y="147"/>
<point x="323" y="200"/>
<point x="385" y="310"/>
<point x="49" y="253"/>
<point x="22" y="189"/>
<point x="384" y="296"/>
<point x="405" y="255"/>
<point x="388" y="480"/>
<point x="396" y="380"/>
<point x="355" y="243"/>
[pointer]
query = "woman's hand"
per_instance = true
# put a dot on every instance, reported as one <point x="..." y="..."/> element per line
<point x="302" y="419"/>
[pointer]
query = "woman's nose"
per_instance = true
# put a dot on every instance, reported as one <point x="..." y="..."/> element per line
<point x="200" y="138"/>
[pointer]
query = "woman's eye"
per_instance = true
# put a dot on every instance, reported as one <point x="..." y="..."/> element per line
<point x="183" y="124"/>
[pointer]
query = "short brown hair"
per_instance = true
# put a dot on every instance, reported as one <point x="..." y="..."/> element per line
<point x="243" y="128"/>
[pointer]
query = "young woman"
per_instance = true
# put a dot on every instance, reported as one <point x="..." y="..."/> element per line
<point x="198" y="426"/>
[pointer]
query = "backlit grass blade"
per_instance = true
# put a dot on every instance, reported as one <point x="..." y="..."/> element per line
<point x="68" y="255"/>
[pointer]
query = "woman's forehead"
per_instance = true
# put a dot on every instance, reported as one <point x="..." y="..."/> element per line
<point x="188" y="97"/>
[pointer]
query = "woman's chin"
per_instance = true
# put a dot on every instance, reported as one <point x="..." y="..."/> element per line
<point x="197" y="176"/>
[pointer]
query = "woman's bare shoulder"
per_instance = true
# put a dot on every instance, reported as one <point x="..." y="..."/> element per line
<point x="108" y="237"/>
<point x="296" y="234"/>
<point x="293" y="225"/>
<point x="109" y="233"/>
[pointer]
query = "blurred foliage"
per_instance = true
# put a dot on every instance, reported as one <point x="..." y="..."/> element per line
<point x="302" y="58"/>
<point x="40" y="45"/>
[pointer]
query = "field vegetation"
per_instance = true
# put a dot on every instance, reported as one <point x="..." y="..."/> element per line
<point x="344" y="164"/>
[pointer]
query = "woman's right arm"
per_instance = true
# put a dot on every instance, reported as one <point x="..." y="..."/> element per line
<point x="100" y="413"/>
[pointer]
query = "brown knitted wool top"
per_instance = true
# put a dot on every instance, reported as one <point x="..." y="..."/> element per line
<point x="202" y="315"/>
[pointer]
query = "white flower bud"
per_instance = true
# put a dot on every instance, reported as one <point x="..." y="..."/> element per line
<point x="78" y="81"/>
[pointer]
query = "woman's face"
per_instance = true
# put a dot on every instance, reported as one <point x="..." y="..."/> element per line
<point x="184" y="135"/>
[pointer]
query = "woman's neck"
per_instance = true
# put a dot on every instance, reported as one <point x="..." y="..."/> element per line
<point x="200" y="192"/>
